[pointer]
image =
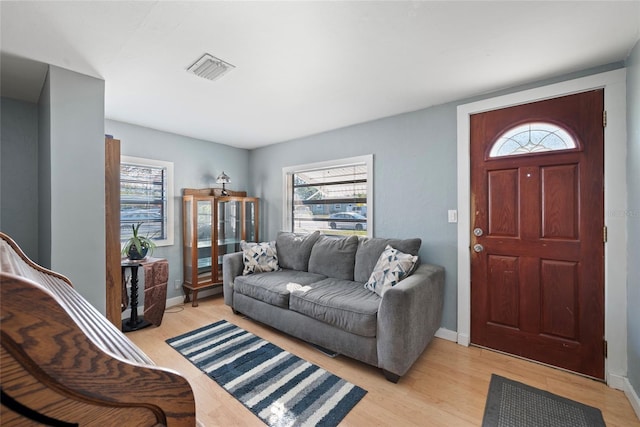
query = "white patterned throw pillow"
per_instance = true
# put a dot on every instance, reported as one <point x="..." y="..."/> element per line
<point x="259" y="257"/>
<point x="391" y="268"/>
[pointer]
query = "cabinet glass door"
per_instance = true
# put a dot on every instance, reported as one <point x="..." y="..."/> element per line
<point x="250" y="220"/>
<point x="204" y="240"/>
<point x="229" y="229"/>
<point x="187" y="239"/>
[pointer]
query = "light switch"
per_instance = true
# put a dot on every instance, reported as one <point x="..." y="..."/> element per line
<point x="452" y="215"/>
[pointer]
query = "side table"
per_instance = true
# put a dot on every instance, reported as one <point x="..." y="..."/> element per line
<point x="156" y="277"/>
<point x="135" y="322"/>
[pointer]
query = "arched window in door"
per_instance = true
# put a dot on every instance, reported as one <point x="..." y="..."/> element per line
<point x="530" y="138"/>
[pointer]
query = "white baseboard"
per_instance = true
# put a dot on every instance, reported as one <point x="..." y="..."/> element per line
<point x="463" y="339"/>
<point x="454" y="336"/>
<point x="631" y="394"/>
<point x="173" y="301"/>
<point x="447" y="334"/>
<point x="616" y="381"/>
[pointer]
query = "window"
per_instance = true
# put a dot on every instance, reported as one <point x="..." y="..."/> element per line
<point x="146" y="195"/>
<point x="333" y="197"/>
<point x="532" y="138"/>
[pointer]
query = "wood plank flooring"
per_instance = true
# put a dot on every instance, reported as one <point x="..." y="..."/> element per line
<point x="446" y="387"/>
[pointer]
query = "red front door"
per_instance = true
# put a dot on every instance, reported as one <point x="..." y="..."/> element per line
<point x="537" y="267"/>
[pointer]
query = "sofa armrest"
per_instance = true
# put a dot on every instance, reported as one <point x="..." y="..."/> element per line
<point x="409" y="315"/>
<point x="232" y="266"/>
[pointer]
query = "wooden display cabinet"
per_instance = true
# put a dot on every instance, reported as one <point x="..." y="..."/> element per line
<point x="213" y="225"/>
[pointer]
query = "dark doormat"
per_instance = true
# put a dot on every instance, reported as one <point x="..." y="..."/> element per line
<point x="510" y="403"/>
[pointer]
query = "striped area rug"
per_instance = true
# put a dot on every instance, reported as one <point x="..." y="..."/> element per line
<point x="280" y="388"/>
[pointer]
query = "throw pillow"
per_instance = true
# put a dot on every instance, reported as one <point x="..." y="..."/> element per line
<point x="391" y="268"/>
<point x="259" y="257"/>
<point x="369" y="250"/>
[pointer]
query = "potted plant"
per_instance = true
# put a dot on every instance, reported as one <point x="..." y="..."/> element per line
<point x="136" y="247"/>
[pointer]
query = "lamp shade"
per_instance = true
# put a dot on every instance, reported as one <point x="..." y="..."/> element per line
<point x="223" y="178"/>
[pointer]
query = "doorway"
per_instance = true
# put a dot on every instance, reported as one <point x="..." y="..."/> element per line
<point x="537" y="257"/>
<point x="615" y="189"/>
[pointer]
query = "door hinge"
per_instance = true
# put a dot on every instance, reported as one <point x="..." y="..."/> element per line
<point x="604" y="234"/>
<point x="605" y="349"/>
<point x="604" y="119"/>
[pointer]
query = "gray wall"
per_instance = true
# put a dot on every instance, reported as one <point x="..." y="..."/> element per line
<point x="196" y="164"/>
<point x="28" y="177"/>
<point x="19" y="173"/>
<point x="415" y="177"/>
<point x="414" y="180"/>
<point x="633" y="217"/>
<point x="44" y="175"/>
<point x="73" y="190"/>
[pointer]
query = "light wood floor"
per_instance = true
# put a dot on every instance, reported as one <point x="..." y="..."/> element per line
<point x="447" y="386"/>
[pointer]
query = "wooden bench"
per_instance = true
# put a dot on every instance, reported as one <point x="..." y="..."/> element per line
<point x="63" y="363"/>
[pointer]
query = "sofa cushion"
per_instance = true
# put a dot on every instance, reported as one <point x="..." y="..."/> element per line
<point x="369" y="251"/>
<point x="391" y="268"/>
<point x="272" y="287"/>
<point x="259" y="257"/>
<point x="341" y="303"/>
<point x="294" y="249"/>
<point x="334" y="256"/>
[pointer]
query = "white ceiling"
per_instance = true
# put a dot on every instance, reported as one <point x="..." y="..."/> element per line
<point x="303" y="67"/>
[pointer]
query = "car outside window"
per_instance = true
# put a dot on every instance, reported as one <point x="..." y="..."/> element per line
<point x="332" y="197"/>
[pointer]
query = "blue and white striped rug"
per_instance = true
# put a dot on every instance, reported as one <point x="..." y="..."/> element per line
<point x="280" y="388"/>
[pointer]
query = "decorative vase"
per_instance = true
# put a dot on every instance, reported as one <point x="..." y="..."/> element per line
<point x="135" y="255"/>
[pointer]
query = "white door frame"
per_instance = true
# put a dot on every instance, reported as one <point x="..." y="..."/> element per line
<point x="615" y="205"/>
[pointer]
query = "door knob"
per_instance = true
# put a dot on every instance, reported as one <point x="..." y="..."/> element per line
<point x="478" y="232"/>
<point x="478" y="247"/>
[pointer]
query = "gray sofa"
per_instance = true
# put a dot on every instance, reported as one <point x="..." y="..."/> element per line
<point x="318" y="295"/>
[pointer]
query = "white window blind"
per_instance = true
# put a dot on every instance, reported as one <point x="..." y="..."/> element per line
<point x="146" y="197"/>
<point x="332" y="197"/>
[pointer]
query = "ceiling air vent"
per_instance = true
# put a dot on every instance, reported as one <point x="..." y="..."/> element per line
<point x="210" y="67"/>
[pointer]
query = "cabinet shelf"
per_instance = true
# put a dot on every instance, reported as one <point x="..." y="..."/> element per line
<point x="213" y="225"/>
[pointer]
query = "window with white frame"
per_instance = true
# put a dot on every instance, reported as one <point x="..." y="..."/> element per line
<point x="334" y="197"/>
<point x="146" y="196"/>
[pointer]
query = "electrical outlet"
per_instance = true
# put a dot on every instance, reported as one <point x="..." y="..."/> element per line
<point x="177" y="284"/>
<point x="452" y="215"/>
